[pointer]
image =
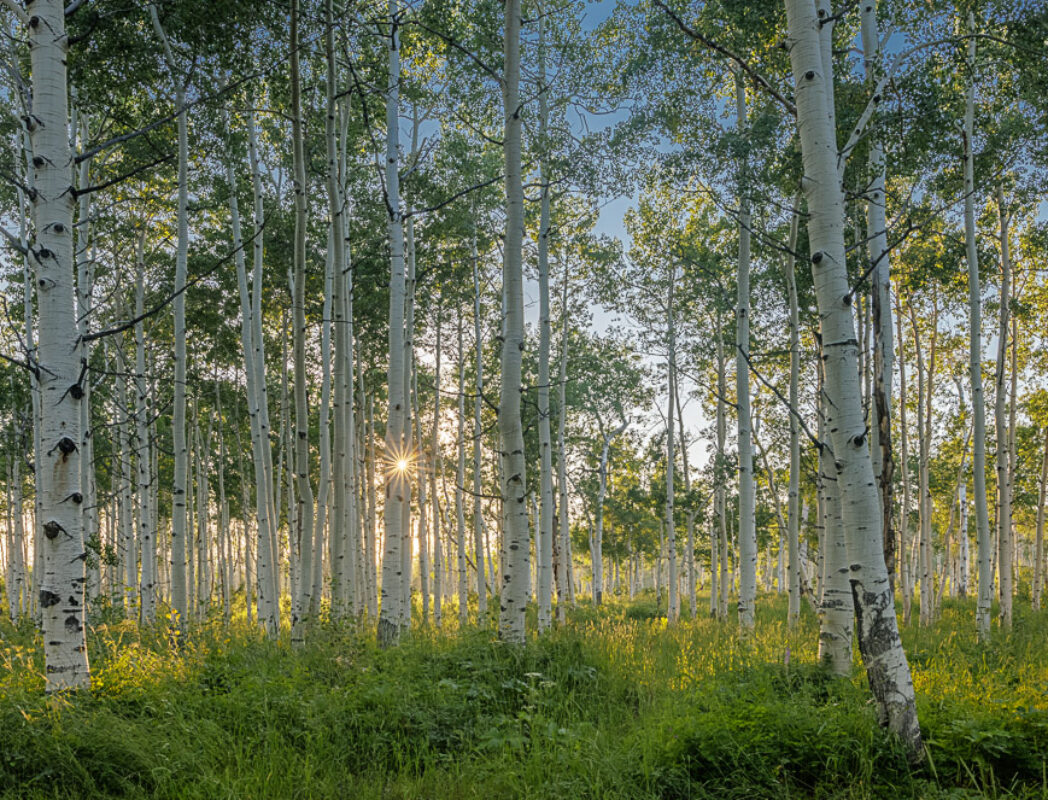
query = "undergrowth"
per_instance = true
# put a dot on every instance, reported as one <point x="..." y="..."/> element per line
<point x="613" y="705"/>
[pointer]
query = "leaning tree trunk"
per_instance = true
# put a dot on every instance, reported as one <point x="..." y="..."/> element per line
<point x="391" y="613"/>
<point x="879" y="642"/>
<point x="60" y="520"/>
<point x="982" y="517"/>
<point x="513" y="594"/>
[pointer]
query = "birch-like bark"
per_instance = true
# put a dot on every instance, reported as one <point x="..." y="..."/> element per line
<point x="671" y="528"/>
<point x="836" y="609"/>
<point x="478" y="436"/>
<point x="793" y="502"/>
<point x="408" y="457"/>
<point x="438" y="552"/>
<point x="879" y="643"/>
<point x="179" y="488"/>
<point x="59" y="524"/>
<point x="146" y="532"/>
<point x="689" y="557"/>
<point x="721" y="470"/>
<point x="460" y="486"/>
<point x="877" y="249"/>
<point x="598" y="528"/>
<point x="563" y="538"/>
<point x="544" y="540"/>
<point x="747" y="522"/>
<point x="982" y="517"/>
<point x="904" y="456"/>
<point x="1004" y="475"/>
<point x="516" y="555"/>
<point x="303" y="533"/>
<point x="267" y="507"/>
<point x="395" y="480"/>
<point x="1038" y="547"/>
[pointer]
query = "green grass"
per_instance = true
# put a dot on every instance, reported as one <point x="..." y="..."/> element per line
<point x="613" y="705"/>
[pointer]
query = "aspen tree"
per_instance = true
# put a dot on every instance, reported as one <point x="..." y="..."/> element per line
<point x="1004" y="473"/>
<point x="563" y="544"/>
<point x="179" y="488"/>
<point x="879" y="643"/>
<point x="747" y="523"/>
<point x="544" y="540"/>
<point x="478" y="436"/>
<point x="671" y="528"/>
<point x="982" y="517"/>
<point x="59" y="524"/>
<point x="793" y="502"/>
<point x="877" y="251"/>
<point x="516" y="552"/>
<point x="395" y="479"/>
<point x="146" y="531"/>
<point x="1042" y="498"/>
<point x="460" y="485"/>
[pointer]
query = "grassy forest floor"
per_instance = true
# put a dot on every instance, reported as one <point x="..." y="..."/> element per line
<point x="612" y="705"/>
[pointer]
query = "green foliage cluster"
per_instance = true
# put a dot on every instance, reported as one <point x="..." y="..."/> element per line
<point x="613" y="705"/>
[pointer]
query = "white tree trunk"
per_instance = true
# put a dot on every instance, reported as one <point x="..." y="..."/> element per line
<point x="671" y="528"/>
<point x="747" y="523"/>
<point x="516" y="553"/>
<point x="877" y="249"/>
<point x="793" y="503"/>
<point x="60" y="520"/>
<point x="395" y="480"/>
<point x="982" y="518"/>
<point x="146" y="532"/>
<point x="179" y="488"/>
<point x="1004" y="476"/>
<point x="1038" y="552"/>
<point x="598" y="528"/>
<point x="478" y="437"/>
<point x="836" y="609"/>
<point x="879" y="643"/>
<point x="563" y="546"/>
<point x="544" y="540"/>
<point x="460" y="486"/>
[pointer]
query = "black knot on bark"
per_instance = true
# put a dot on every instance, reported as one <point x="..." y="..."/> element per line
<point x="810" y="75"/>
<point x="66" y="445"/>
<point x="34" y="21"/>
<point x="846" y="300"/>
<point x="859" y="440"/>
<point x="76" y="497"/>
<point x="48" y="599"/>
<point x="52" y="529"/>
<point x="816" y="257"/>
<point x="76" y="391"/>
<point x="38" y="161"/>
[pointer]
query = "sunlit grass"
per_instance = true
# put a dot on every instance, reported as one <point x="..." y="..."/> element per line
<point x="614" y="705"/>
